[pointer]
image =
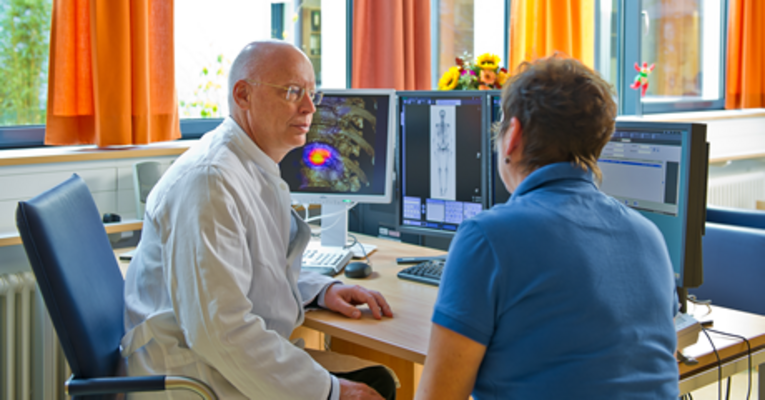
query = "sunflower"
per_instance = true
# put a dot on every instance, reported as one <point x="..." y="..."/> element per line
<point x="487" y="61"/>
<point x="450" y="79"/>
<point x="501" y="78"/>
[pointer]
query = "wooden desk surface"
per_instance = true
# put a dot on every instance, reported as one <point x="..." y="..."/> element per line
<point x="405" y="335"/>
<point x="750" y="326"/>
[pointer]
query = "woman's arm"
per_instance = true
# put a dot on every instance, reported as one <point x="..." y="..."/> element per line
<point x="451" y="365"/>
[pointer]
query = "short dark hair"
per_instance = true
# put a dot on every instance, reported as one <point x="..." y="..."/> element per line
<point x="565" y="109"/>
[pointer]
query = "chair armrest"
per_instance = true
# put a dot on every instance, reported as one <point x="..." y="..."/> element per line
<point x="95" y="386"/>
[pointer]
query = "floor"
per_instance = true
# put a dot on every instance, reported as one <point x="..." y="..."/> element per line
<point x="738" y="388"/>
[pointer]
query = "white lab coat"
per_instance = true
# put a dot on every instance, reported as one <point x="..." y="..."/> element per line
<point x="213" y="291"/>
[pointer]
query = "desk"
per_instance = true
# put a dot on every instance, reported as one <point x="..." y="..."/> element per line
<point x="402" y="341"/>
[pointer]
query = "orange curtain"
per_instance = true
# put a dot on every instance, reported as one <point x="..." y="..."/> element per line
<point x="112" y="73"/>
<point x="539" y="28"/>
<point x="745" y="84"/>
<point x="391" y="44"/>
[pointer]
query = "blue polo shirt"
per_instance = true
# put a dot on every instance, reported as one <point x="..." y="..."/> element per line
<point x="571" y="292"/>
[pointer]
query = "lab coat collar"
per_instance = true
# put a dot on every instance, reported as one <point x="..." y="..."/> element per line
<point x="244" y="142"/>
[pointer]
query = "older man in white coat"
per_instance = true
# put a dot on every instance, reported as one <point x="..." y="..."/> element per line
<point x="215" y="288"/>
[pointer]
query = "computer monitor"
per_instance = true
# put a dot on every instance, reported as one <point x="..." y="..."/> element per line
<point x="442" y="160"/>
<point x="660" y="170"/>
<point x="347" y="158"/>
<point x="498" y="193"/>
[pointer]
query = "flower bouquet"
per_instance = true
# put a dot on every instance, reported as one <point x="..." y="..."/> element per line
<point x="484" y="74"/>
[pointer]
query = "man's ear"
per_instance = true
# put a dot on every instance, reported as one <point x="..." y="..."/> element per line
<point x="513" y="137"/>
<point x="241" y="95"/>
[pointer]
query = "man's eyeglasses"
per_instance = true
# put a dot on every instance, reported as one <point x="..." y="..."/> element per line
<point x="294" y="93"/>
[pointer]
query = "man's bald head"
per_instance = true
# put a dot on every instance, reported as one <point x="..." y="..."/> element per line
<point x="258" y="60"/>
<point x="259" y="82"/>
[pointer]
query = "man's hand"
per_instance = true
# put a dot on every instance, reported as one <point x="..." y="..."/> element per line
<point x="354" y="390"/>
<point x="344" y="299"/>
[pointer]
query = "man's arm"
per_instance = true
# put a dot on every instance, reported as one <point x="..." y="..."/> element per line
<point x="451" y="366"/>
<point x="208" y="270"/>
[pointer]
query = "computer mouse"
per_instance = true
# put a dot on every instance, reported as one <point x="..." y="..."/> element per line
<point x="358" y="270"/>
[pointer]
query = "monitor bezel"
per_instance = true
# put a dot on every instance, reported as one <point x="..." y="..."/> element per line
<point x="387" y="196"/>
<point x="485" y="148"/>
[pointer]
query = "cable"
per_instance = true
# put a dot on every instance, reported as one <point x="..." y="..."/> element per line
<point x="749" y="354"/>
<point x="695" y="301"/>
<point x="363" y="250"/>
<point x="719" y="364"/>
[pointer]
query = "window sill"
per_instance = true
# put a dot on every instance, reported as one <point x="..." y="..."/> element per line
<point x="732" y="134"/>
<point x="57" y="154"/>
<point x="698" y="116"/>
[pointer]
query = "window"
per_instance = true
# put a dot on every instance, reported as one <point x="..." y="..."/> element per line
<point x="460" y="27"/>
<point x="208" y="39"/>
<point x="606" y="40"/>
<point x="685" y="39"/>
<point x="24" y="44"/>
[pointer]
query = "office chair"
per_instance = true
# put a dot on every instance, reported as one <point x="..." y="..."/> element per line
<point x="82" y="287"/>
<point x="736" y="216"/>
<point x="734" y="268"/>
<point x="146" y="174"/>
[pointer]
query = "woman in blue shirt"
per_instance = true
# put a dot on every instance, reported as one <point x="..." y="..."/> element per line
<point x="562" y="292"/>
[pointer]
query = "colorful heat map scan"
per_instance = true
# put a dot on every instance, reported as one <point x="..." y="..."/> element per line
<point x="339" y="154"/>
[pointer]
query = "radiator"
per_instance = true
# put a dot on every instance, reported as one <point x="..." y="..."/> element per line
<point x="739" y="191"/>
<point x="26" y="327"/>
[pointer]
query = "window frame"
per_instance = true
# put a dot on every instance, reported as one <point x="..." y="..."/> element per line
<point x="629" y="14"/>
<point x="21" y="136"/>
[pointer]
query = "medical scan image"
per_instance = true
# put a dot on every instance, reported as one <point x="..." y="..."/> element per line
<point x="338" y="147"/>
<point x="443" y="161"/>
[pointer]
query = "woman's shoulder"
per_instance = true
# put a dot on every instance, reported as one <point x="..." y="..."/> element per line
<point x="518" y="213"/>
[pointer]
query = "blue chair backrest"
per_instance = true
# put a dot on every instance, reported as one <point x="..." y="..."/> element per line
<point x="734" y="268"/>
<point x="736" y="216"/>
<point x="77" y="273"/>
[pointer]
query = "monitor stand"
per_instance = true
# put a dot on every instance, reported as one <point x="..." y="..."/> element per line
<point x="334" y="230"/>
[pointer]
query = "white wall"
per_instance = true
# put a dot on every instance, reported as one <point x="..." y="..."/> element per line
<point x="110" y="182"/>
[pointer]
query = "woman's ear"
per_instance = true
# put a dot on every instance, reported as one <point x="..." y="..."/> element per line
<point x="512" y="138"/>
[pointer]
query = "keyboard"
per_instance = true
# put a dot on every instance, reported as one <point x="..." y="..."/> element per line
<point x="325" y="260"/>
<point x="428" y="272"/>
